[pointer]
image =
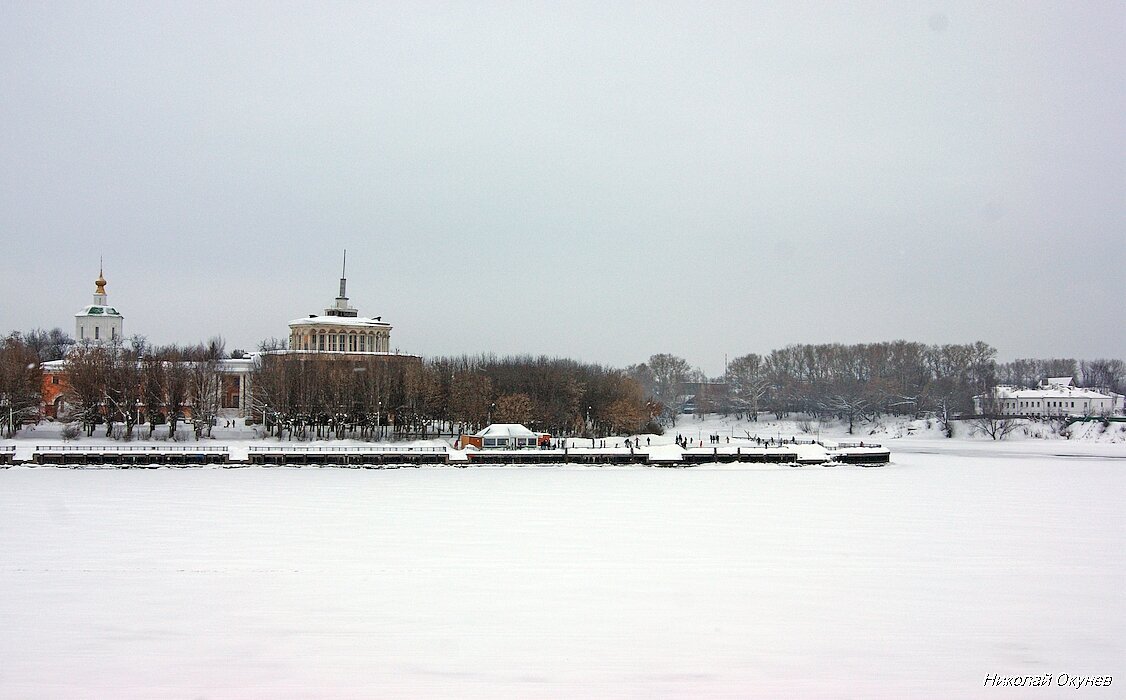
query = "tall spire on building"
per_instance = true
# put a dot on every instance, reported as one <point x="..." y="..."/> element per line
<point x="341" y="308"/>
<point x="343" y="280"/>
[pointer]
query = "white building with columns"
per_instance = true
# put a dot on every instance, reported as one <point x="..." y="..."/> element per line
<point x="340" y="329"/>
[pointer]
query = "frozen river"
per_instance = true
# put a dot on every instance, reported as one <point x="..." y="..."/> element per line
<point x="914" y="580"/>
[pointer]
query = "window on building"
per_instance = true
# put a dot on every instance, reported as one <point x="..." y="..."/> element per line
<point x="97" y="332"/>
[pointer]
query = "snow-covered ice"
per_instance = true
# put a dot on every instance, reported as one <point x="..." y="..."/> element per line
<point x="913" y="580"/>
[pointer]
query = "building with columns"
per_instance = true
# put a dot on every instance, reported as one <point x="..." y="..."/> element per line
<point x="340" y="329"/>
<point x="339" y="334"/>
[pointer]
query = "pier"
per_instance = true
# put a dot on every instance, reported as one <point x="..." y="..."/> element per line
<point x="375" y="456"/>
<point x="130" y="455"/>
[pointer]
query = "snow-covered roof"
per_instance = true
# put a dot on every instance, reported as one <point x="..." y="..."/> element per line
<point x="1058" y="381"/>
<point x="98" y="310"/>
<point x="344" y="321"/>
<point x="505" y="430"/>
<point x="237" y="365"/>
<point x="1049" y="392"/>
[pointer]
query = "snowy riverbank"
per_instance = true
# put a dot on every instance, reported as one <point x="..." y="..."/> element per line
<point x="897" y="435"/>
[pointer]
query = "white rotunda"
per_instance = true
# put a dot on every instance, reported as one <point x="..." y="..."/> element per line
<point x="340" y="329"/>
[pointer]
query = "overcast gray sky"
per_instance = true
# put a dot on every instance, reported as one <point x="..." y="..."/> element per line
<point x="589" y="179"/>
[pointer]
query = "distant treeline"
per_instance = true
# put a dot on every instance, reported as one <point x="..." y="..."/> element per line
<point x="306" y="396"/>
<point x="860" y="380"/>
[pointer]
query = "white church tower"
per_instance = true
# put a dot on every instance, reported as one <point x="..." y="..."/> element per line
<point x="99" y="322"/>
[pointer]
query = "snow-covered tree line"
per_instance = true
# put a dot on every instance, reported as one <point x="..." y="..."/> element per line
<point x="855" y="381"/>
<point x="859" y="380"/>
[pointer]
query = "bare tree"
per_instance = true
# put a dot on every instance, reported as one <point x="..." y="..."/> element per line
<point x="991" y="420"/>
<point x="1107" y="375"/>
<point x="669" y="375"/>
<point x="86" y="374"/>
<point x="21" y="388"/>
<point x="513" y="408"/>
<point x="48" y="345"/>
<point x="625" y="415"/>
<point x="848" y="401"/>
<point x="152" y="387"/>
<point x="205" y="390"/>
<point x="177" y="383"/>
<point x="749" y="381"/>
<point x="471" y="398"/>
<point x="124" y="389"/>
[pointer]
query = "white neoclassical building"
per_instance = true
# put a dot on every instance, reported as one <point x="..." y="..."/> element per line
<point x="340" y="329"/>
<point x="99" y="322"/>
<point x="1055" y="396"/>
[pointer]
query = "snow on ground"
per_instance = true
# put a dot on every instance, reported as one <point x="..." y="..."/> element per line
<point x="913" y="580"/>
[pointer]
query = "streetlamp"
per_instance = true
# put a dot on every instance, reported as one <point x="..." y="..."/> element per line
<point x="379" y="420"/>
<point x="492" y="406"/>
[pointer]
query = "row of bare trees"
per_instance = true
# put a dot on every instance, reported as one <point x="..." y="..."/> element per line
<point x="855" y="381"/>
<point x="138" y="384"/>
<point x="846" y="381"/>
<point x="852" y="382"/>
<point x="307" y="397"/>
